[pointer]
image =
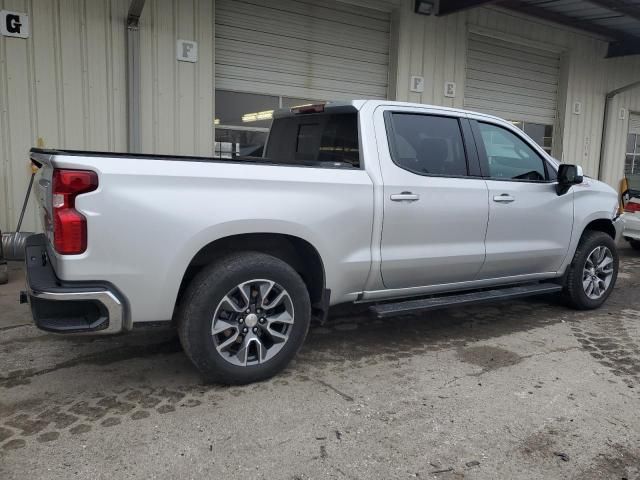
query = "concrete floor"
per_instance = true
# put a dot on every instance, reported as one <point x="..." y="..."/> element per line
<point x="527" y="389"/>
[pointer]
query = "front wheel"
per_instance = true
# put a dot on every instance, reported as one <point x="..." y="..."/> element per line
<point x="593" y="271"/>
<point x="243" y="318"/>
<point x="635" y="244"/>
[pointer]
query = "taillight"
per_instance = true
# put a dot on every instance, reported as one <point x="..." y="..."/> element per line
<point x="632" y="207"/>
<point x="69" y="225"/>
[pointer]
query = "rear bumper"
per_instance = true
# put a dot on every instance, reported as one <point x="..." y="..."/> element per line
<point x="69" y="307"/>
<point x="631" y="226"/>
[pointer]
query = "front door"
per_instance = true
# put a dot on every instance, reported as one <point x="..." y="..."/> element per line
<point x="530" y="225"/>
<point x="435" y="211"/>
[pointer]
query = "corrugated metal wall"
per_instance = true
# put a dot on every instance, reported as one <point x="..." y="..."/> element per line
<point x="436" y="48"/>
<point x="65" y="86"/>
<point x="618" y="129"/>
<point x="177" y="97"/>
<point x="62" y="87"/>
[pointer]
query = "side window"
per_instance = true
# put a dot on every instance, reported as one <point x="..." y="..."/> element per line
<point x="509" y="157"/>
<point x="427" y="144"/>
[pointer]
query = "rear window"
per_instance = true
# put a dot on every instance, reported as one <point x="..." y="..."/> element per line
<point x="329" y="140"/>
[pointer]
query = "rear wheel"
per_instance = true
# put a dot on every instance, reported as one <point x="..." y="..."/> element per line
<point x="244" y="318"/>
<point x="593" y="271"/>
<point x="635" y="244"/>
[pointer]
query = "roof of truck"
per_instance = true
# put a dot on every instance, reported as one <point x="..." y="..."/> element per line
<point x="360" y="103"/>
<point x="340" y="106"/>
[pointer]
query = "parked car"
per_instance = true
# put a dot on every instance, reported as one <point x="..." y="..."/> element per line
<point x="408" y="207"/>
<point x="632" y="211"/>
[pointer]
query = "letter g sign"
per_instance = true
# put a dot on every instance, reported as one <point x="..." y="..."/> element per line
<point x="14" y="24"/>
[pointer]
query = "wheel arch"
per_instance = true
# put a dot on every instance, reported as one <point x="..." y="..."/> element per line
<point x="604" y="225"/>
<point x="301" y="255"/>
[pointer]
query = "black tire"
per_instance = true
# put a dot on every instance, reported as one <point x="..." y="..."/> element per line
<point x="574" y="292"/>
<point x="635" y="244"/>
<point x="206" y="291"/>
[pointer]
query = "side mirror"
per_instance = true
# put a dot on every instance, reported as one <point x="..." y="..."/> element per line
<point x="568" y="175"/>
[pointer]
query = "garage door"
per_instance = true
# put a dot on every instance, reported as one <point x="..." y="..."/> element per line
<point x="515" y="82"/>
<point x="299" y="48"/>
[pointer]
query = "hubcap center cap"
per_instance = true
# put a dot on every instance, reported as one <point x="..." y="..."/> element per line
<point x="251" y="320"/>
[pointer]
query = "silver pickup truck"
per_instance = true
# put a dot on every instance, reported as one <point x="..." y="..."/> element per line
<point x="407" y="207"/>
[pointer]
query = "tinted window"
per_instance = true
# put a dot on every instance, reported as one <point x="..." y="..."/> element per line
<point x="315" y="139"/>
<point x="339" y="141"/>
<point x="509" y="157"/>
<point x="308" y="141"/>
<point x="427" y="144"/>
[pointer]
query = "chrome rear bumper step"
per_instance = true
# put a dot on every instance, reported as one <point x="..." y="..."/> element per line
<point x="68" y="307"/>
<point x="406" y="307"/>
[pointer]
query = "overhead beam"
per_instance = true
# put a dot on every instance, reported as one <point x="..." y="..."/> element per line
<point x="447" y="7"/>
<point x="622" y="43"/>
<point x="561" y="18"/>
<point x="620" y="7"/>
<point x="622" y="49"/>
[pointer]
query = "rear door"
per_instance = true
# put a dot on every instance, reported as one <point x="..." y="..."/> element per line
<point x="530" y="225"/>
<point x="435" y="201"/>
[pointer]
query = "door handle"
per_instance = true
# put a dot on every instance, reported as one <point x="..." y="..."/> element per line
<point x="405" y="197"/>
<point x="504" y="198"/>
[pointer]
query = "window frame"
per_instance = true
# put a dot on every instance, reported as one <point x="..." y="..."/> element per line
<point x="484" y="160"/>
<point x="469" y="147"/>
<point x="635" y="154"/>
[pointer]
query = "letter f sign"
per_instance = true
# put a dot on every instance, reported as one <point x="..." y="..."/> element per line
<point x="187" y="51"/>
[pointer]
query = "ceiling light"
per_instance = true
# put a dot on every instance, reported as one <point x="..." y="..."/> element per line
<point x="257" y="116"/>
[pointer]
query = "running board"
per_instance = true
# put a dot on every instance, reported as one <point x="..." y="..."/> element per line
<point x="384" y="310"/>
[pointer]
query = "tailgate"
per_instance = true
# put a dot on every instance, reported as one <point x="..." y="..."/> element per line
<point x="42" y="189"/>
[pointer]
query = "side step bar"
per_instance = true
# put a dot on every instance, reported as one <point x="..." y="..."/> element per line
<point x="384" y="310"/>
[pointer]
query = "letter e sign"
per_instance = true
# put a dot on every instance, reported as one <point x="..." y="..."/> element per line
<point x="14" y="24"/>
<point x="187" y="51"/>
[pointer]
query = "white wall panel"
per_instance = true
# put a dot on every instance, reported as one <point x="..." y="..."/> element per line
<point x="61" y="88"/>
<point x="177" y="97"/>
<point x="65" y="86"/>
<point x="434" y="48"/>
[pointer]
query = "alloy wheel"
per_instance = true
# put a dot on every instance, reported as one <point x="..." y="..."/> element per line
<point x="598" y="272"/>
<point x="252" y="322"/>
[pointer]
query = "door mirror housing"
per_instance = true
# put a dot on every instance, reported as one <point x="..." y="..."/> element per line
<point x="568" y="175"/>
